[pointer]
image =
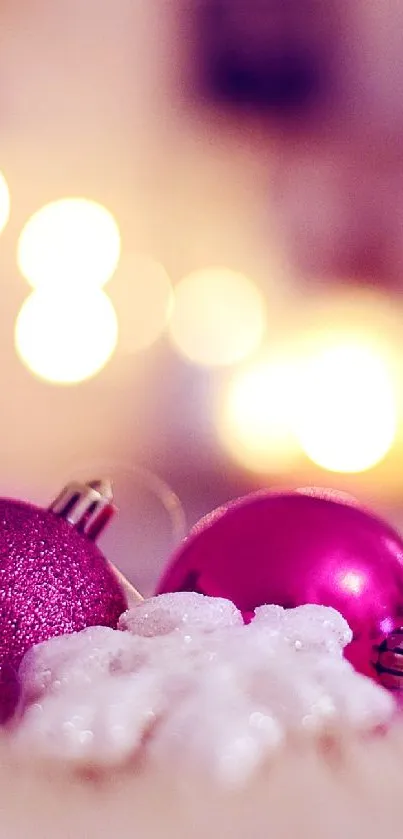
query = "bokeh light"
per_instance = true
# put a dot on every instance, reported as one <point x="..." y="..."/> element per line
<point x="72" y="242"/>
<point x="219" y="317"/>
<point x="254" y="420"/>
<point x="345" y="413"/>
<point x="143" y="297"/>
<point x="4" y="202"/>
<point x="333" y="400"/>
<point x="65" y="338"/>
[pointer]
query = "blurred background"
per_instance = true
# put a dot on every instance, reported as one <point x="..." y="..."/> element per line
<point x="201" y="253"/>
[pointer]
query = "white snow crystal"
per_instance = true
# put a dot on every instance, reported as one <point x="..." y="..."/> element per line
<point x="307" y="627"/>
<point x="103" y="728"/>
<point x="185" y="682"/>
<point x="174" y="612"/>
<point x="54" y="665"/>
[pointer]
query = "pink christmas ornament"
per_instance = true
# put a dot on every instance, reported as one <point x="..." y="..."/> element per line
<point x="295" y="548"/>
<point x="53" y="577"/>
<point x="9" y="692"/>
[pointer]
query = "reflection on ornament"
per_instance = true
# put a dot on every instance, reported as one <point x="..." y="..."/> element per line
<point x="293" y="548"/>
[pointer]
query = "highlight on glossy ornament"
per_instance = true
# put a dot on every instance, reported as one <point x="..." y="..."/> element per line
<point x="66" y="338"/>
<point x="345" y="413"/>
<point x="254" y="417"/>
<point x="219" y="317"/>
<point x="4" y="202"/>
<point x="143" y="298"/>
<point x="296" y="548"/>
<point x="69" y="243"/>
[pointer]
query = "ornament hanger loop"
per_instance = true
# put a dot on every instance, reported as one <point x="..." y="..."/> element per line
<point x="143" y="477"/>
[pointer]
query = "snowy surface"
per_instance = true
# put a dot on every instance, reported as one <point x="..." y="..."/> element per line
<point x="186" y="683"/>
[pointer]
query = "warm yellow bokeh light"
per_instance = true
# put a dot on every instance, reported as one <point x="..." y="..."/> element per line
<point x="66" y="338"/>
<point x="143" y="297"/>
<point x="219" y="317"/>
<point x="345" y="413"/>
<point x="4" y="202"/>
<point x="254" y="421"/>
<point x="73" y="242"/>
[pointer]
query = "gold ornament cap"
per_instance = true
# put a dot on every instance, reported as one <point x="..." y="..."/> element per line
<point x="88" y="507"/>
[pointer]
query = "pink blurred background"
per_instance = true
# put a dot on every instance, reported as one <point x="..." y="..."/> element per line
<point x="241" y="135"/>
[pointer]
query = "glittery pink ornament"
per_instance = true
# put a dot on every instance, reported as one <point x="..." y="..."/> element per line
<point x="293" y="548"/>
<point x="9" y="692"/>
<point x="53" y="577"/>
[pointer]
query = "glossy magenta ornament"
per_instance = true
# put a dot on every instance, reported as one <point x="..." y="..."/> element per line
<point x="293" y="548"/>
<point x="53" y="577"/>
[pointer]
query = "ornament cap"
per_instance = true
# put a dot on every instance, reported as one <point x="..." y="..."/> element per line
<point x="87" y="507"/>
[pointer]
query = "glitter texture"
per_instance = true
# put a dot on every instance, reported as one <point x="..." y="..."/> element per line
<point x="193" y="697"/>
<point x="293" y="548"/>
<point x="53" y="581"/>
